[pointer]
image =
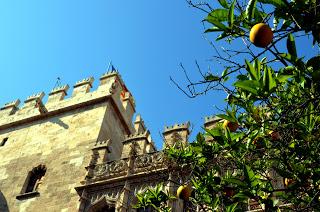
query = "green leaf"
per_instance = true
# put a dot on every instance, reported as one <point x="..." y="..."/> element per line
<point x="211" y="77"/>
<point x="218" y="15"/>
<point x="268" y="80"/>
<point x="275" y="23"/>
<point x="231" y="14"/>
<point x="286" y="24"/>
<point x="200" y="137"/>
<point x="215" y="202"/>
<point x="214" y="132"/>
<point x="223" y="116"/>
<point x="250" y="176"/>
<point x="242" y="77"/>
<point x="222" y="35"/>
<point x="276" y="3"/>
<point x="241" y="195"/>
<point x="235" y="181"/>
<point x="257" y="67"/>
<point x="226" y="78"/>
<point x="231" y="208"/>
<point x="251" y="70"/>
<point x="288" y="70"/>
<point x="291" y="46"/>
<point x="259" y="15"/>
<point x="217" y="24"/>
<point x="224" y="73"/>
<point x="224" y="3"/>
<point x="227" y="133"/>
<point x="249" y="85"/>
<point x="290" y="58"/>
<point x="250" y="9"/>
<point x="213" y="29"/>
<point x="283" y="78"/>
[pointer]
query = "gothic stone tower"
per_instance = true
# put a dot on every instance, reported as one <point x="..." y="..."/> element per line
<point x="81" y="153"/>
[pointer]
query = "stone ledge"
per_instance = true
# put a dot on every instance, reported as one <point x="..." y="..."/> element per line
<point x="27" y="195"/>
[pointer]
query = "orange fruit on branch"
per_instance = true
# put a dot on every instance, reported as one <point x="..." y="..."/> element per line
<point x="228" y="191"/>
<point x="184" y="192"/>
<point x="274" y="135"/>
<point x="261" y="35"/>
<point x="233" y="126"/>
<point x="287" y="182"/>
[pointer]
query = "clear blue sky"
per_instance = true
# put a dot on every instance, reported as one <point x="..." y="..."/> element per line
<point x="74" y="39"/>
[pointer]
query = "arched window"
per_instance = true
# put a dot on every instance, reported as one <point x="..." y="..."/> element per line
<point x="103" y="205"/>
<point x="32" y="182"/>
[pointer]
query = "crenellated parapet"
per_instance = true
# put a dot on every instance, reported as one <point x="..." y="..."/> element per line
<point x="175" y="127"/>
<point x="57" y="94"/>
<point x="32" y="100"/>
<point x="82" y="86"/>
<point x="137" y="144"/>
<point x="211" y="121"/>
<point x="111" y="88"/>
<point x="33" y="105"/>
<point x="176" y="133"/>
<point x="9" y="108"/>
<point x="135" y="136"/>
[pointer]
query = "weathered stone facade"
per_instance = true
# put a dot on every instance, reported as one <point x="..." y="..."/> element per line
<point x="81" y="153"/>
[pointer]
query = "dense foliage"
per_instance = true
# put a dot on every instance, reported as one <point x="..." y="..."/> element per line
<point x="272" y="158"/>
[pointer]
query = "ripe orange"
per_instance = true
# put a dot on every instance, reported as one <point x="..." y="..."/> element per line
<point x="184" y="192"/>
<point x="261" y="35"/>
<point x="233" y="126"/>
<point x="229" y="191"/>
<point x="288" y="182"/>
<point x="274" y="135"/>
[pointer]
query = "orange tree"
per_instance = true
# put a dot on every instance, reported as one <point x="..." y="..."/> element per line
<point x="271" y="157"/>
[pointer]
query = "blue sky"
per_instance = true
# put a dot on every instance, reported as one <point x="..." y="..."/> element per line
<point x="75" y="39"/>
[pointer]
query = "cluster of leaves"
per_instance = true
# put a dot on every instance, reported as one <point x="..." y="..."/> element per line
<point x="236" y="18"/>
<point x="272" y="159"/>
<point x="278" y="139"/>
<point x="155" y="198"/>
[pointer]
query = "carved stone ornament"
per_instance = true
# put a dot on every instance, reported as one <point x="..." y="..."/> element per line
<point x="149" y="161"/>
<point x="112" y="168"/>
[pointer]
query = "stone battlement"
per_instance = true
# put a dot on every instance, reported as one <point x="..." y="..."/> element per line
<point x="111" y="87"/>
<point x="177" y="127"/>
<point x="213" y="118"/>
<point x="137" y="136"/>
<point x="211" y="121"/>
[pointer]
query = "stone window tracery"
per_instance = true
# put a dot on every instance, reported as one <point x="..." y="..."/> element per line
<point x="32" y="182"/>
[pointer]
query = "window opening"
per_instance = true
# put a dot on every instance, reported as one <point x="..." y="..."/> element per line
<point x="3" y="142"/>
<point x="34" y="178"/>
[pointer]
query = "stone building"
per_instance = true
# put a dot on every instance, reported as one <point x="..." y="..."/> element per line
<point x="81" y="153"/>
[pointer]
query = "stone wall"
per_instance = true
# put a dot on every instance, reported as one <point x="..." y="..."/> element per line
<point x="60" y="135"/>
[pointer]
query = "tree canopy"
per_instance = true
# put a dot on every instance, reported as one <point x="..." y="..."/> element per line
<point x="265" y="147"/>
